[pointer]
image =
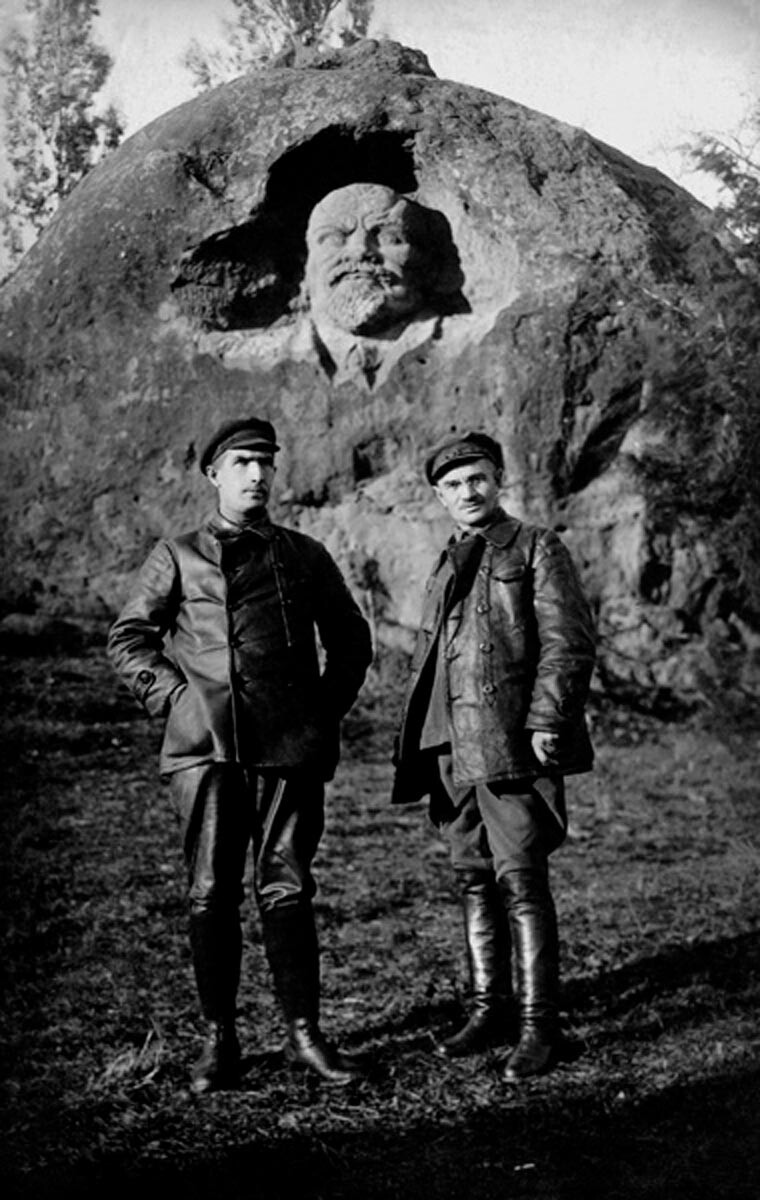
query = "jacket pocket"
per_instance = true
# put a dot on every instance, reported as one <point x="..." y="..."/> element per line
<point x="509" y="600"/>
<point x="187" y="733"/>
<point x="509" y="572"/>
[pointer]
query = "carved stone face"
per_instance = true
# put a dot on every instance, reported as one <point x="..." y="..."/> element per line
<point x="365" y="266"/>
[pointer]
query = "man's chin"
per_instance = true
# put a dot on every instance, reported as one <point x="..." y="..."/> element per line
<point x="475" y="519"/>
<point x="251" y="508"/>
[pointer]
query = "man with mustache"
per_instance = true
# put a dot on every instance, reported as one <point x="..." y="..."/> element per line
<point x="492" y="722"/>
<point x="370" y="271"/>
<point x="218" y="636"/>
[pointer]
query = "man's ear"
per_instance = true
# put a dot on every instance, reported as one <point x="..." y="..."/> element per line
<point x="211" y="474"/>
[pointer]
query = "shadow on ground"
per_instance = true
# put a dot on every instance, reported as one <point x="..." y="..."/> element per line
<point x="569" y="1136"/>
<point x="658" y="1099"/>
<point x="686" y="1142"/>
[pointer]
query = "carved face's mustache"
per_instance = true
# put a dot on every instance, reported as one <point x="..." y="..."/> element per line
<point x="359" y="270"/>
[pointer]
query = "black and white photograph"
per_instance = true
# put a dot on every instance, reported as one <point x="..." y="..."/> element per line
<point x="380" y="599"/>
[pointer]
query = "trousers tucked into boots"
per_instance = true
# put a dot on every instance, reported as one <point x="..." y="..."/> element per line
<point x="508" y="830"/>
<point x="533" y="926"/>
<point x="488" y="955"/>
<point x="223" y="809"/>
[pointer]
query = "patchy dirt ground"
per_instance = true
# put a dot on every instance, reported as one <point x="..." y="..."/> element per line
<point x="658" y="891"/>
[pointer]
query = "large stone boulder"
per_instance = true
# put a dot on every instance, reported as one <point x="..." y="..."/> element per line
<point x="166" y="296"/>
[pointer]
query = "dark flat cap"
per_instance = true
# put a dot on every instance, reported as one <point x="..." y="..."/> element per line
<point x="249" y="433"/>
<point x="459" y="448"/>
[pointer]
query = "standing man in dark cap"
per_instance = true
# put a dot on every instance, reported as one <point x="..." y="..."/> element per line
<point x="492" y="722"/>
<point x="251" y="735"/>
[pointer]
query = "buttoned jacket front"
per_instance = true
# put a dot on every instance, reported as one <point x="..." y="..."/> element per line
<point x="171" y="645"/>
<point x="516" y="653"/>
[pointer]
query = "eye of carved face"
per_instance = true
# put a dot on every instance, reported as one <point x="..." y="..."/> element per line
<point x="330" y="238"/>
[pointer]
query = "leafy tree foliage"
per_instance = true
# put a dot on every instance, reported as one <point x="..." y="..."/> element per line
<point x="728" y="337"/>
<point x="53" y="135"/>
<point x="735" y="164"/>
<point x="263" y="29"/>
<point x="705" y="368"/>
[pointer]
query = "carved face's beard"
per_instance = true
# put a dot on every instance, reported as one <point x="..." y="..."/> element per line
<point x="357" y="304"/>
<point x="365" y="300"/>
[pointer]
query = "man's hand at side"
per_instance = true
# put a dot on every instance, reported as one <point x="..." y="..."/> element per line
<point x="545" y="746"/>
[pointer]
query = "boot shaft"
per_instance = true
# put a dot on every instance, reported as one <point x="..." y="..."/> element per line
<point x="216" y="945"/>
<point x="292" y="950"/>
<point x="533" y="925"/>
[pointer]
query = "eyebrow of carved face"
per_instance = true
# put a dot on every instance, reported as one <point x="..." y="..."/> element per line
<point x="349" y="220"/>
<point x="341" y="230"/>
<point x="318" y="233"/>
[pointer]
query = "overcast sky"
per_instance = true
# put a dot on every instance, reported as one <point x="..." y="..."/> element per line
<point x="643" y="75"/>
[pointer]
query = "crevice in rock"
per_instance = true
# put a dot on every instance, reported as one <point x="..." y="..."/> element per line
<point x="373" y="457"/>
<point x="603" y="442"/>
<point x="209" y="170"/>
<point x="337" y="156"/>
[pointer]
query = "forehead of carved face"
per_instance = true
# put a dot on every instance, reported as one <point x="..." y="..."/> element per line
<point x="366" y="257"/>
<point x="362" y="201"/>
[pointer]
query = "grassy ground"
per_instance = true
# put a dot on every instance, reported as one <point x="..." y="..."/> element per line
<point x="657" y="891"/>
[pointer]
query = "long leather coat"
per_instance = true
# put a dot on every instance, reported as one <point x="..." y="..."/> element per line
<point x="516" y="654"/>
<point x="171" y="645"/>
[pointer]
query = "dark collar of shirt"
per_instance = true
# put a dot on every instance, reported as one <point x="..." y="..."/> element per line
<point x="500" y="530"/>
<point x="226" y="530"/>
<point x="483" y="531"/>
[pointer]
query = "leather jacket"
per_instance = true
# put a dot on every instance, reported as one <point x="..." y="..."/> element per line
<point x="171" y="645"/>
<point x="516" y="655"/>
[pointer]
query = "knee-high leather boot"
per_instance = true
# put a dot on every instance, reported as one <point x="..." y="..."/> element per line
<point x="533" y="925"/>
<point x="216" y="946"/>
<point x="290" y="940"/>
<point x="488" y="953"/>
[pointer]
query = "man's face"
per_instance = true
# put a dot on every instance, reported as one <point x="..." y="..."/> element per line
<point x="364" y="258"/>
<point x="243" y="478"/>
<point x="470" y="493"/>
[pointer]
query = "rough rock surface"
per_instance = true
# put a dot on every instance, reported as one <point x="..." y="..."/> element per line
<point x="190" y="238"/>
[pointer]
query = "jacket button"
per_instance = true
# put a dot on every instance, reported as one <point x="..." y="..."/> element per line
<point x="481" y="608"/>
<point x="145" y="677"/>
<point x="488" y="688"/>
<point x="486" y="647"/>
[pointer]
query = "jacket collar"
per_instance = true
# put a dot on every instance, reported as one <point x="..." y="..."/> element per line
<point x="223" y="529"/>
<point x="500" y="533"/>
